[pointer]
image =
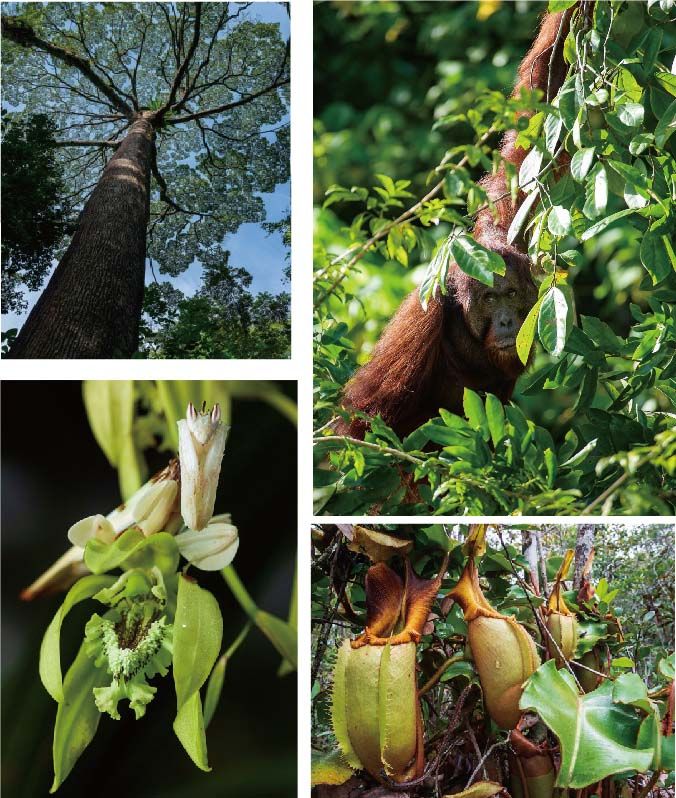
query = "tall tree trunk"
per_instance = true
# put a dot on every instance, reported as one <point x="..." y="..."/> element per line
<point x="91" y="307"/>
<point x="530" y="551"/>
<point x="584" y="544"/>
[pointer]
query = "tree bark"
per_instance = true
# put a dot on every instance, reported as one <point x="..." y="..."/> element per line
<point x="583" y="547"/>
<point x="91" y="307"/>
<point x="530" y="552"/>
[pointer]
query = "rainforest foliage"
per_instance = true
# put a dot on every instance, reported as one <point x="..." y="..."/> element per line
<point x="591" y="424"/>
<point x="539" y="668"/>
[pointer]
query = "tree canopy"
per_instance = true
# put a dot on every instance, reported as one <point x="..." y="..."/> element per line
<point x="31" y="185"/>
<point x="212" y="77"/>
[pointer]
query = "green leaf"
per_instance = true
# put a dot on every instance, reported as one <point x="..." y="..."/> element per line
<point x="559" y="221"/>
<point x="597" y="736"/>
<point x="552" y="130"/>
<point x="595" y="229"/>
<point x="666" y="667"/>
<point x="630" y="114"/>
<point x="214" y="689"/>
<point x="50" y="651"/>
<point x="281" y="634"/>
<point x="560" y="5"/>
<point x="530" y="169"/>
<point x="189" y="728"/>
<point x="215" y="683"/>
<point x="657" y="253"/>
<point x="581" y="163"/>
<point x="630" y="689"/>
<point x="461" y="668"/>
<point x="526" y="335"/>
<point x="477" y="261"/>
<point x="553" y="321"/>
<point x="474" y="411"/>
<point x="495" y="413"/>
<point x="286" y="667"/>
<point x="521" y="215"/>
<point x="650" y="734"/>
<point x="590" y="632"/>
<point x="110" y="410"/>
<point x="640" y="143"/>
<point x="77" y="717"/>
<point x="600" y="192"/>
<point x="198" y="631"/>
<point x="666" y="125"/>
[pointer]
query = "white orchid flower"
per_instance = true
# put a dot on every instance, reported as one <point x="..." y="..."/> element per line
<point x="201" y="443"/>
<point x="213" y="547"/>
<point x="153" y="508"/>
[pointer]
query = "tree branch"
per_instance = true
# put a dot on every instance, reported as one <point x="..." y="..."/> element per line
<point x="86" y="143"/>
<point x="228" y="106"/>
<point x="21" y="33"/>
<point x="178" y="77"/>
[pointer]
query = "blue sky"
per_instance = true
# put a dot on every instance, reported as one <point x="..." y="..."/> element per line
<point x="251" y="247"/>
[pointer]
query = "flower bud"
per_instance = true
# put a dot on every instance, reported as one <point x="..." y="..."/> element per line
<point x="201" y="443"/>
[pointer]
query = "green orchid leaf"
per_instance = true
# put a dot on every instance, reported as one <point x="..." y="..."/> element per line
<point x="50" y="654"/>
<point x="287" y="667"/>
<point x="132" y="550"/>
<point x="198" y="631"/>
<point x="214" y="689"/>
<point x="598" y="737"/>
<point x="77" y="717"/>
<point x="281" y="634"/>
<point x="110" y="411"/>
<point x="215" y="683"/>
<point x="189" y="728"/>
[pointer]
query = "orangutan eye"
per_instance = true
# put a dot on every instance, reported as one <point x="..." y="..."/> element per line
<point x="511" y="293"/>
<point x="489" y="298"/>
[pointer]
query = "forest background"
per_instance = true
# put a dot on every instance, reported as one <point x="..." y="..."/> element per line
<point x="217" y="270"/>
<point x="437" y="75"/>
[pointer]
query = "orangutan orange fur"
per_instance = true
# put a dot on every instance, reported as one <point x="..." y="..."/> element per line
<point x="426" y="358"/>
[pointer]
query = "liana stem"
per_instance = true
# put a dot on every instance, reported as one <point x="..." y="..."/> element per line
<point x="239" y="591"/>
<point x="429" y="684"/>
